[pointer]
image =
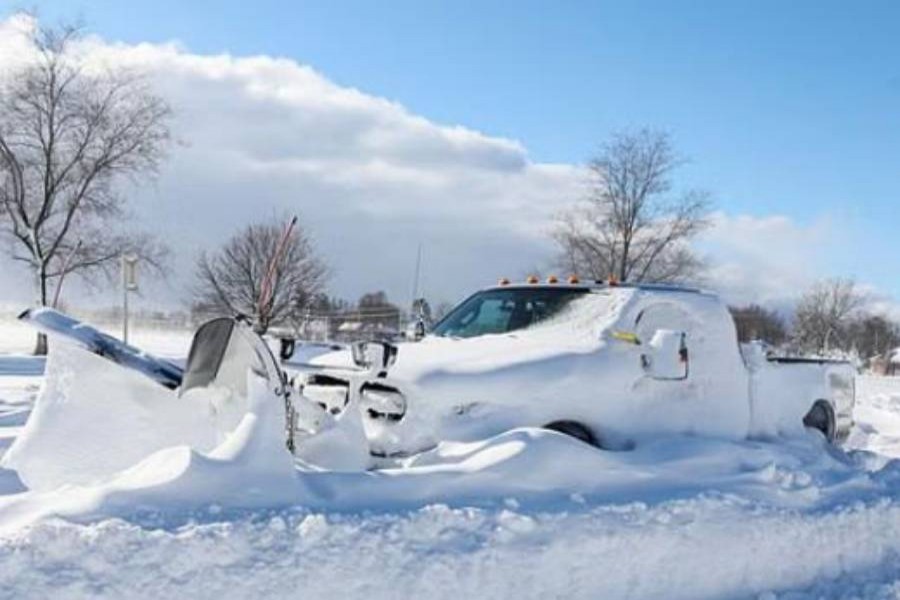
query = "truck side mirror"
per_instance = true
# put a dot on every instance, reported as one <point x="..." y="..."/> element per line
<point x="375" y="356"/>
<point x="667" y="356"/>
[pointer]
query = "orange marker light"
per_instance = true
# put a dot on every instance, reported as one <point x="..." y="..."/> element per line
<point x="552" y="279"/>
<point x="503" y="281"/>
<point x="573" y="279"/>
<point x="532" y="279"/>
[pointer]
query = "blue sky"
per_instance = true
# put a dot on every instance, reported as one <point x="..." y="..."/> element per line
<point x="781" y="107"/>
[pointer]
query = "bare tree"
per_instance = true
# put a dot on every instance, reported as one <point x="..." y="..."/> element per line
<point x="754" y="322"/>
<point x="874" y="335"/>
<point x="629" y="226"/>
<point x="232" y="280"/>
<point x="824" y="316"/>
<point x="67" y="136"/>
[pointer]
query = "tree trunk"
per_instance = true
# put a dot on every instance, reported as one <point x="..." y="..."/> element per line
<point x="623" y="266"/>
<point x="40" y="347"/>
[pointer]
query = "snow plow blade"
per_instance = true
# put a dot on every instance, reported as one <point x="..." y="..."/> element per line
<point x="53" y="322"/>
<point x="222" y="351"/>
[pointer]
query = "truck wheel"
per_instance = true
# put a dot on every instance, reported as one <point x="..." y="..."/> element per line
<point x="821" y="418"/>
<point x="574" y="429"/>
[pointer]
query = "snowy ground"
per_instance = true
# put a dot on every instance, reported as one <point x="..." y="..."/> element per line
<point x="528" y="514"/>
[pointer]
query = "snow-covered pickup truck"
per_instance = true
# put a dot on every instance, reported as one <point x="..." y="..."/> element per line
<point x="608" y="364"/>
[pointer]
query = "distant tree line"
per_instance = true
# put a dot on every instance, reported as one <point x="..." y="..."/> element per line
<point x="756" y="323"/>
<point x="833" y="317"/>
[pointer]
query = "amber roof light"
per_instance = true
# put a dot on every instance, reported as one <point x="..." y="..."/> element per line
<point x="532" y="279"/>
<point x="503" y="281"/>
<point x="573" y="279"/>
<point x="553" y="279"/>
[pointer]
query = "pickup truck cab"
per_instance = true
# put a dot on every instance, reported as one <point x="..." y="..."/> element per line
<point x="608" y="364"/>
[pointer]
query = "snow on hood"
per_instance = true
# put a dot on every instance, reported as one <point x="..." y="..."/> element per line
<point x="577" y="330"/>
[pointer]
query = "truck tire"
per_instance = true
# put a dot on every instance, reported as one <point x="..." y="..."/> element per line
<point x="576" y="430"/>
<point x="821" y="418"/>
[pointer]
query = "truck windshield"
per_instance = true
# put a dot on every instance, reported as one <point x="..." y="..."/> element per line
<point x="504" y="310"/>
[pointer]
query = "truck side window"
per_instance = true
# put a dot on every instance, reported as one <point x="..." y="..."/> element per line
<point x="663" y="315"/>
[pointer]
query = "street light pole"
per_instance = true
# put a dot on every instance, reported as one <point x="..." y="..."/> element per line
<point x="129" y="284"/>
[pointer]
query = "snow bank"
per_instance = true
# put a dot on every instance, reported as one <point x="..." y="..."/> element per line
<point x="103" y="437"/>
<point x="877" y="416"/>
<point x="542" y="469"/>
<point x="94" y="418"/>
<point x="708" y="547"/>
<point x="526" y="514"/>
<point x="220" y="510"/>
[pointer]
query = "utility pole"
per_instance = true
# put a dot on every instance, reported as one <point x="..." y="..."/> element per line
<point x="129" y="284"/>
<point x="415" y="290"/>
<point x="416" y="278"/>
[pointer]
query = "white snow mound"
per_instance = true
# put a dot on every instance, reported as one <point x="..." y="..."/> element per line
<point x="98" y="424"/>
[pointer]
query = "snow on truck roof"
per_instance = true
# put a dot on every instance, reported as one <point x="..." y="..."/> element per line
<point x="598" y="285"/>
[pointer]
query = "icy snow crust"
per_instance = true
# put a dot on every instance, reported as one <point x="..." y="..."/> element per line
<point x="198" y="498"/>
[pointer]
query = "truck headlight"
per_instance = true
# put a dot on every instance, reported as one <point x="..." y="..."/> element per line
<point x="330" y="393"/>
<point x="382" y="402"/>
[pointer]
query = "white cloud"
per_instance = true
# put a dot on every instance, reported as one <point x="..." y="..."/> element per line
<point x="267" y="135"/>
<point x="264" y="136"/>
<point x="769" y="260"/>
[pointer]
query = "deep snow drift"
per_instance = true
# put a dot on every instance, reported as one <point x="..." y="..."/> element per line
<point x="213" y="511"/>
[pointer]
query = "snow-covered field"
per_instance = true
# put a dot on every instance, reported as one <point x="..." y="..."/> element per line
<point x="527" y="514"/>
